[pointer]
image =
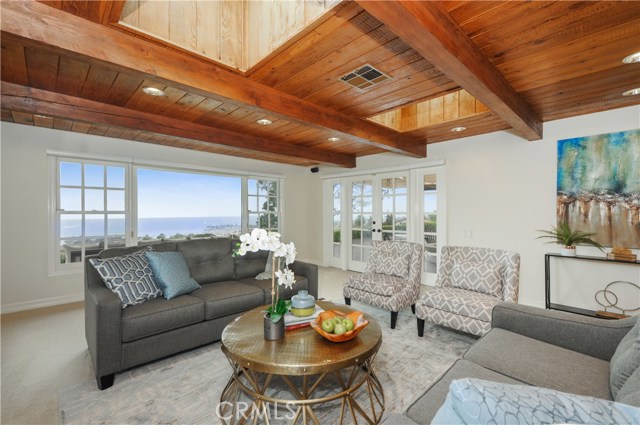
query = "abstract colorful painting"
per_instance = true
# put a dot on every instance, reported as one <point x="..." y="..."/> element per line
<point x="599" y="186"/>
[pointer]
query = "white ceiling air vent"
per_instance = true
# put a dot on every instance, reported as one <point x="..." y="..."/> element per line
<point x="364" y="77"/>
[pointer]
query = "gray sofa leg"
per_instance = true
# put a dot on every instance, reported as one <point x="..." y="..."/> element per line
<point x="106" y="381"/>
<point x="394" y="319"/>
<point x="413" y="308"/>
<point x="347" y="301"/>
<point x="420" y="327"/>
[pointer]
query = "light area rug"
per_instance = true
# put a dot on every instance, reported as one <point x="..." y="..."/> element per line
<point x="186" y="388"/>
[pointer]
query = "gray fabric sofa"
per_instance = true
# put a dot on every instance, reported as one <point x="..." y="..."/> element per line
<point x="533" y="346"/>
<point x="119" y="339"/>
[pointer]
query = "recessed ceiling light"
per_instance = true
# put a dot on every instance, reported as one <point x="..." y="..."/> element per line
<point x="264" y="121"/>
<point x="458" y="129"/>
<point x="333" y="139"/>
<point x="152" y="91"/>
<point x="632" y="92"/>
<point x="632" y="58"/>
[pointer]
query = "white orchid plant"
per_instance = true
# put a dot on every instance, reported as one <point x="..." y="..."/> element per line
<point x="261" y="240"/>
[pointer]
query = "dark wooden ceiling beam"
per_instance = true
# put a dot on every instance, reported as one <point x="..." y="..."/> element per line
<point x="431" y="31"/>
<point x="53" y="28"/>
<point x="41" y="102"/>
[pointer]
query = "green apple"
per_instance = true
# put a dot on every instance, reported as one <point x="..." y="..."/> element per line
<point x="348" y="323"/>
<point x="327" y="325"/>
<point x="337" y="320"/>
<point x="339" y="329"/>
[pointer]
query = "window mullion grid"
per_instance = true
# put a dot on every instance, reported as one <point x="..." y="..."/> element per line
<point x="83" y="210"/>
<point x="105" y="207"/>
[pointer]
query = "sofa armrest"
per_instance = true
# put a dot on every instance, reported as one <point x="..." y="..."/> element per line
<point x="102" y="322"/>
<point x="310" y="271"/>
<point x="587" y="335"/>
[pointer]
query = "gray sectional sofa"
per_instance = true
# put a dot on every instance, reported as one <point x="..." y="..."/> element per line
<point x="543" y="348"/>
<point x="119" y="338"/>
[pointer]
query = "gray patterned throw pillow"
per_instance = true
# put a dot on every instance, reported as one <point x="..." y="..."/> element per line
<point x="393" y="263"/>
<point x="129" y="277"/>
<point x="478" y="277"/>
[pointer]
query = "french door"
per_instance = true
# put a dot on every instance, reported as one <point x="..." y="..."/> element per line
<point x="376" y="209"/>
<point x="400" y="205"/>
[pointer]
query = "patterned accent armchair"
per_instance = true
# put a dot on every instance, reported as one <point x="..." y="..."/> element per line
<point x="471" y="281"/>
<point x="391" y="279"/>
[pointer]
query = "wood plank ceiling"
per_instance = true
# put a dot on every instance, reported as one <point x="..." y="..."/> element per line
<point x="486" y="66"/>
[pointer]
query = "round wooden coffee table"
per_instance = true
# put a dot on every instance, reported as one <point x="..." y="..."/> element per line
<point x="289" y="378"/>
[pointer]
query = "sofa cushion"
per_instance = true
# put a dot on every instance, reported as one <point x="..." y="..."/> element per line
<point x="460" y="301"/>
<point x="424" y="408"/>
<point x="626" y="359"/>
<point x="541" y="364"/>
<point x="479" y="277"/>
<point x="129" y="277"/>
<point x="159" y="315"/>
<point x="630" y="391"/>
<point x="381" y="284"/>
<point x="228" y="297"/>
<point x="172" y="273"/>
<point x="209" y="260"/>
<point x="478" y="402"/>
<point x="250" y="264"/>
<point x="286" y="293"/>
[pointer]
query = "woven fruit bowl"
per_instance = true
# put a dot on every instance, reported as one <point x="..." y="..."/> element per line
<point x="356" y="316"/>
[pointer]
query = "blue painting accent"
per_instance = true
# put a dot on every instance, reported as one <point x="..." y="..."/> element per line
<point x="598" y="186"/>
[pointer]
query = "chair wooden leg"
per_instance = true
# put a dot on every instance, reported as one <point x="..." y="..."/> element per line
<point x="347" y="301"/>
<point x="413" y="308"/>
<point x="420" y="327"/>
<point x="394" y="319"/>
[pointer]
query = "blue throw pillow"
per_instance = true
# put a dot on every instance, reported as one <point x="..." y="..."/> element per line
<point x="172" y="273"/>
<point x="474" y="401"/>
<point x="130" y="277"/>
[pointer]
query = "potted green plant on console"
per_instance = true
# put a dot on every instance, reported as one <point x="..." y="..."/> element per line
<point x="563" y="235"/>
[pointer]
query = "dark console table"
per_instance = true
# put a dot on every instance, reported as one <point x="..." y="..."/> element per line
<point x="547" y="284"/>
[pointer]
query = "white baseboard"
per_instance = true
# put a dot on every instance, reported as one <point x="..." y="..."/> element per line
<point x="45" y="302"/>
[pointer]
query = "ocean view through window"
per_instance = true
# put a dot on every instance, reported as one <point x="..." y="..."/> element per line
<point x="99" y="203"/>
<point x="178" y="205"/>
<point x="90" y="209"/>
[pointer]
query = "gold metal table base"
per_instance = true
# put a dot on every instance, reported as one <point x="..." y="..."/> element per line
<point x="264" y="405"/>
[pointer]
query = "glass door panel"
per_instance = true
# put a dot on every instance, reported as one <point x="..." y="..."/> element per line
<point x="336" y="244"/>
<point x="361" y="223"/>
<point x="430" y="212"/>
<point x="393" y="216"/>
<point x="430" y="230"/>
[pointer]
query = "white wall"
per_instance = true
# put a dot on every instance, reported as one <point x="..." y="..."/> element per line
<point x="503" y="188"/>
<point x="24" y="205"/>
<point x="499" y="186"/>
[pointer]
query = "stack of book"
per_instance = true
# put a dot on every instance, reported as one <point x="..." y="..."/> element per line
<point x="294" y="322"/>
<point x="622" y="254"/>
